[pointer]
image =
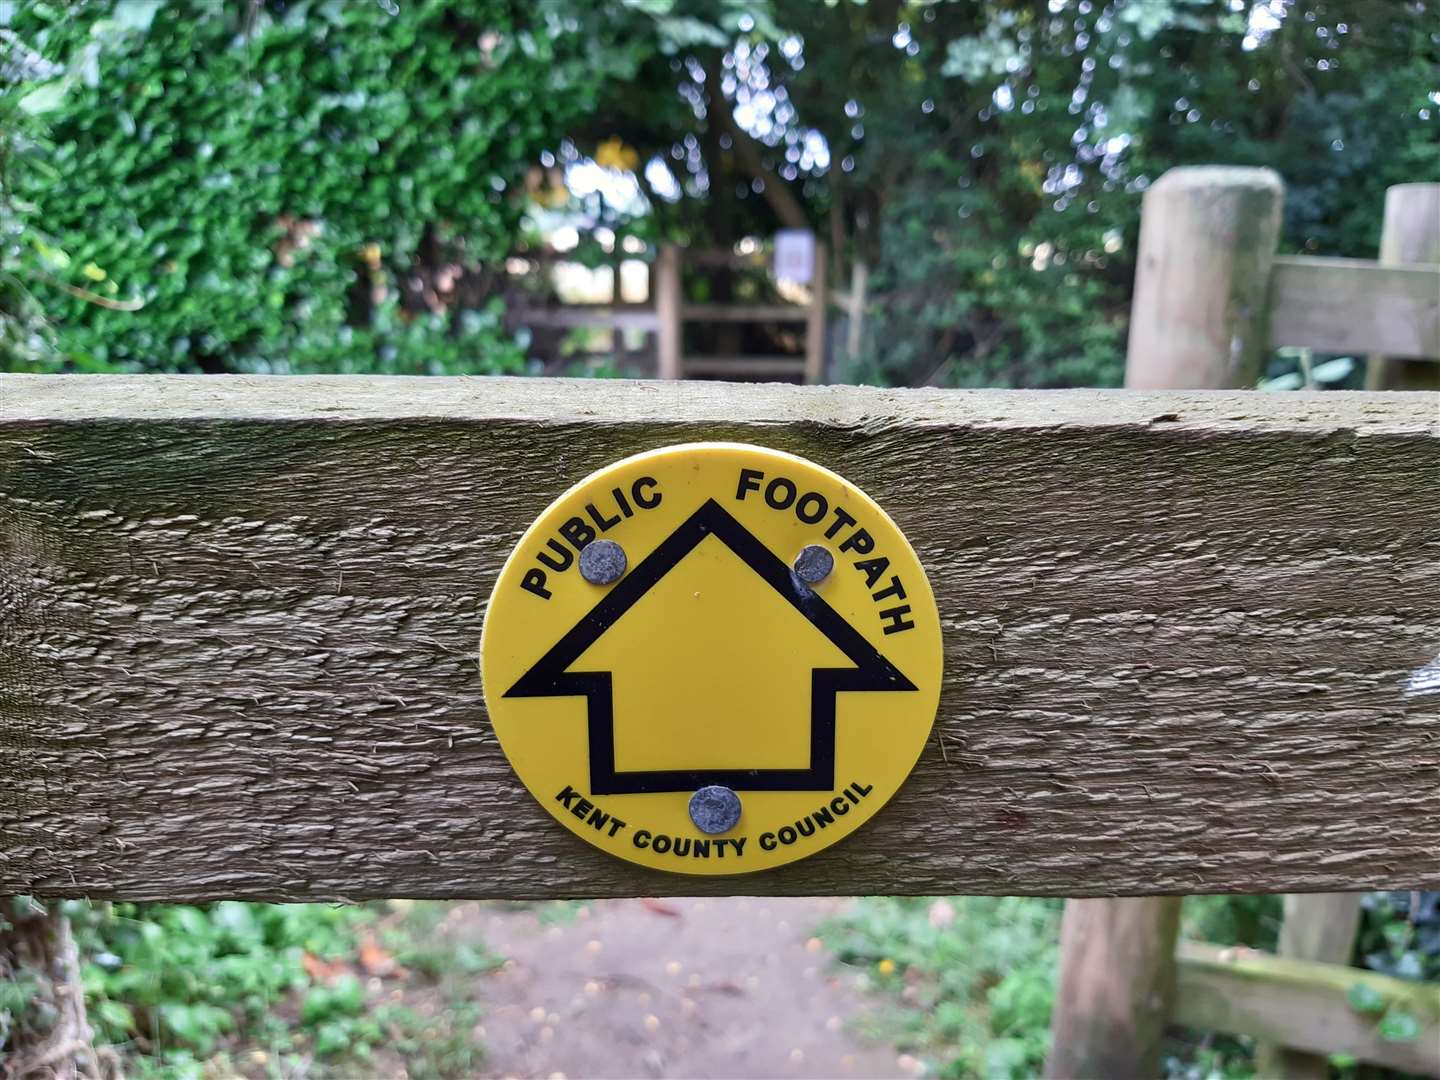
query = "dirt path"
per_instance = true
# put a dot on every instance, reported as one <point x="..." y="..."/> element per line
<point x="676" y="988"/>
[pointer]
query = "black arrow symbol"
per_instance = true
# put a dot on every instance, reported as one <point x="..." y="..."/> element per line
<point x="549" y="676"/>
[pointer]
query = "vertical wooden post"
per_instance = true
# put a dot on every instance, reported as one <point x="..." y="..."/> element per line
<point x="1207" y="238"/>
<point x="1411" y="234"/>
<point x="1320" y="927"/>
<point x="1116" y="988"/>
<point x="855" y="327"/>
<point x="1199" y="313"/>
<point x="617" y="334"/>
<point x="667" y="313"/>
<point x="815" y="320"/>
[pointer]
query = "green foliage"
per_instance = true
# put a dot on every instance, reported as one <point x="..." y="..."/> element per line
<point x="1002" y="153"/>
<point x="437" y="1046"/>
<point x="987" y="160"/>
<point x="971" y="978"/>
<point x="293" y="187"/>
<point x="1251" y="921"/>
<point x="180" y="987"/>
<point x="177" y="979"/>
<point x="1400" y="934"/>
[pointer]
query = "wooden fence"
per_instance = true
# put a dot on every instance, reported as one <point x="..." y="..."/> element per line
<point x="1186" y="639"/>
<point x="1211" y="298"/>
<point x="668" y="313"/>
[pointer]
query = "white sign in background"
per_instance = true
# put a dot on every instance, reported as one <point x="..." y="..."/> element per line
<point x="795" y="255"/>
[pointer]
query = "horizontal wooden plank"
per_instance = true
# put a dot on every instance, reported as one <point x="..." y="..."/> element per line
<point x="1186" y="633"/>
<point x="1306" y="1005"/>
<point x="621" y="318"/>
<point x="717" y="257"/>
<point x="745" y="313"/>
<point x="1355" y="306"/>
<point x="761" y="367"/>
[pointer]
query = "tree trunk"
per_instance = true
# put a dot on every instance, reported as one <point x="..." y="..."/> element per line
<point x="49" y="1035"/>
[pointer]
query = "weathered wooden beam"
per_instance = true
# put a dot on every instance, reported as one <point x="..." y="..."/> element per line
<point x="1186" y="633"/>
<point x="1307" y="1004"/>
<point x="1355" y="306"/>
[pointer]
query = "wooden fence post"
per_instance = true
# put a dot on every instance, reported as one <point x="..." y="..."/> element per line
<point x="1411" y="234"/>
<point x="855" y="306"/>
<point x="667" y="312"/>
<point x="1316" y="926"/>
<point x="815" y="320"/>
<point x="1116" y="987"/>
<point x="1207" y="238"/>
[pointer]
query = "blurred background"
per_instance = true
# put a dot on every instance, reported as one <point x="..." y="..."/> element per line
<point x="451" y="188"/>
<point x="884" y="192"/>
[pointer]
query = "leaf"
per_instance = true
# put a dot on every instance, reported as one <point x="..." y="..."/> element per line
<point x="135" y="14"/>
<point x="684" y="32"/>
<point x="45" y="97"/>
<point x="374" y="960"/>
<point x="1365" y="998"/>
<point x="1333" y="371"/>
<point x="117" y="1015"/>
<point x="321" y="971"/>
<point x="1291" y="380"/>
<point x="1399" y="1026"/>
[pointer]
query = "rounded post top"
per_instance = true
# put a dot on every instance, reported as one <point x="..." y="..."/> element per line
<point x="1220" y="176"/>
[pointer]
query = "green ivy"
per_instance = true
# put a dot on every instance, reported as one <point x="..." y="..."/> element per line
<point x="180" y="977"/>
<point x="291" y="187"/>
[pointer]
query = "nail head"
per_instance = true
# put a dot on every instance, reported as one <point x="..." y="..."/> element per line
<point x="715" y="809"/>
<point x="602" y="562"/>
<point x="813" y="564"/>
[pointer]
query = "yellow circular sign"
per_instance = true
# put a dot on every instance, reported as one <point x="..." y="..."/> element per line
<point x="707" y="629"/>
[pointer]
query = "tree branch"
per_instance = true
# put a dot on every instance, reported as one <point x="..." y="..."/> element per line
<point x="747" y="151"/>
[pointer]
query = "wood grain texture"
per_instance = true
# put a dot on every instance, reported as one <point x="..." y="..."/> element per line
<point x="1307" y="1005"/>
<point x="1354" y="305"/>
<point x="1184" y="633"/>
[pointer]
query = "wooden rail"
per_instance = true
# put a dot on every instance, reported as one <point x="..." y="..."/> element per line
<point x="239" y="619"/>
<point x="1307" y="1005"/>
<point x="1356" y="306"/>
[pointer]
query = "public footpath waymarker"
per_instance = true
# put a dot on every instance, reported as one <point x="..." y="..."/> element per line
<point x="712" y="658"/>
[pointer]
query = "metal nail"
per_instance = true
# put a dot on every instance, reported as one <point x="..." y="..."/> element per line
<point x="813" y="564"/>
<point x="714" y="809"/>
<point x="602" y="562"/>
